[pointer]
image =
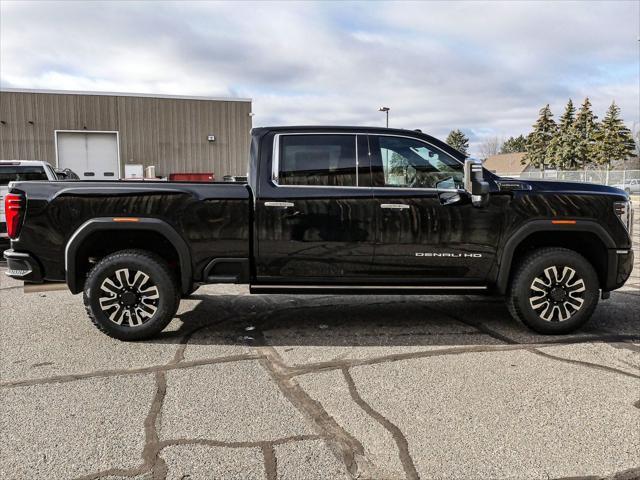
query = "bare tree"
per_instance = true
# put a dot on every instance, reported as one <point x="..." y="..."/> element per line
<point x="490" y="146"/>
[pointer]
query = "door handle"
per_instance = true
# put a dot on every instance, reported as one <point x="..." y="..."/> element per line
<point x="279" y="204"/>
<point x="394" y="206"/>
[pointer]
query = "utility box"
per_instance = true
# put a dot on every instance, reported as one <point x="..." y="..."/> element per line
<point x="133" y="172"/>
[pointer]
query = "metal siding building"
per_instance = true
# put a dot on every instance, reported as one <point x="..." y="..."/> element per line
<point x="168" y="132"/>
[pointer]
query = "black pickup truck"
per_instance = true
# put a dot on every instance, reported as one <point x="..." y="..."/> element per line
<point x="326" y="209"/>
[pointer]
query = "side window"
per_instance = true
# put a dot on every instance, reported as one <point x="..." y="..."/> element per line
<point x="405" y="162"/>
<point x="324" y="160"/>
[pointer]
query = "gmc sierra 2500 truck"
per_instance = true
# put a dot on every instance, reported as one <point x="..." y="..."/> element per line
<point x="326" y="209"/>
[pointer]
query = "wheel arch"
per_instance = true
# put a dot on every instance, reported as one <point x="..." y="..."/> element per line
<point x="586" y="232"/>
<point x="103" y="225"/>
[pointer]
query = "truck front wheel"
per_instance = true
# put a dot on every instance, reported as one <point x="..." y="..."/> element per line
<point x="553" y="291"/>
<point x="131" y="295"/>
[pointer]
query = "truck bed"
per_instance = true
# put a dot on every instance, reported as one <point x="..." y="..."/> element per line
<point x="213" y="219"/>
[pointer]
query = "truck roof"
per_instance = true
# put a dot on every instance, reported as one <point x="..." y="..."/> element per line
<point x="24" y="163"/>
<point x="259" y="131"/>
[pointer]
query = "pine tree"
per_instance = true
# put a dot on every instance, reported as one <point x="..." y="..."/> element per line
<point x="586" y="129"/>
<point x="563" y="148"/>
<point x="538" y="141"/>
<point x="458" y="140"/>
<point x="514" y="145"/>
<point x="614" y="141"/>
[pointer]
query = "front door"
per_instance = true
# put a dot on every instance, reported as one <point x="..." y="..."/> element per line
<point x="428" y="231"/>
<point x="316" y="218"/>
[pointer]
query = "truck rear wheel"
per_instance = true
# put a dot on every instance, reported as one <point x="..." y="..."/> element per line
<point x="554" y="291"/>
<point x="131" y="295"/>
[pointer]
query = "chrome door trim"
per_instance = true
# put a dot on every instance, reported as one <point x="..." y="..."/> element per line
<point x="275" y="160"/>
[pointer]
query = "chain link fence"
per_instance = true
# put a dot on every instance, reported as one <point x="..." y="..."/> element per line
<point x="618" y="178"/>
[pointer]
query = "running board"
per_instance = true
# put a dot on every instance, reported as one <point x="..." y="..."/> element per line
<point x="365" y="288"/>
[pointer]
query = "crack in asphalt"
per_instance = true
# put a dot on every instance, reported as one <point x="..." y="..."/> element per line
<point x="349" y="450"/>
<point x="151" y="449"/>
<point x="596" y="366"/>
<point x="630" y="474"/>
<point x="304" y="369"/>
<point x="270" y="461"/>
<point x="125" y="372"/>
<point x="401" y="442"/>
<point x="176" y="442"/>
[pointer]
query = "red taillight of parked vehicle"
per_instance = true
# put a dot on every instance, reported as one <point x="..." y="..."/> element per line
<point x="13" y="210"/>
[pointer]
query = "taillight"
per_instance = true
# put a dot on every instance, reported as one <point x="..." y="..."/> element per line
<point x="13" y="210"/>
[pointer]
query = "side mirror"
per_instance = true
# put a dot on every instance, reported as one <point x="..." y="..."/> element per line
<point x="474" y="182"/>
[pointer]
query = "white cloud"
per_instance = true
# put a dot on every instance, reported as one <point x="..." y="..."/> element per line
<point x="484" y="67"/>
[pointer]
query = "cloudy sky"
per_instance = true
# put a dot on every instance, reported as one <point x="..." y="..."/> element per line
<point x="483" y="67"/>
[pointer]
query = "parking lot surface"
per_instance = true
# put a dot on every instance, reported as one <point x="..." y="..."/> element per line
<point x="318" y="387"/>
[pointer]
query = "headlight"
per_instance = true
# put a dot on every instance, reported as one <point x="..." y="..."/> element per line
<point x="624" y="211"/>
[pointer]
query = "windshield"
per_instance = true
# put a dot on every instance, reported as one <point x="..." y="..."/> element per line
<point x="19" y="174"/>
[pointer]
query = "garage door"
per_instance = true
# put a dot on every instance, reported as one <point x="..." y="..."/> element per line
<point x="92" y="155"/>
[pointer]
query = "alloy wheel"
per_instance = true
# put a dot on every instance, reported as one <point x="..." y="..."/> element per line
<point x="129" y="297"/>
<point x="556" y="296"/>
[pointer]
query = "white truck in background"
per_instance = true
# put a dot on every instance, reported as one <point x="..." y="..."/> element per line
<point x="20" y="170"/>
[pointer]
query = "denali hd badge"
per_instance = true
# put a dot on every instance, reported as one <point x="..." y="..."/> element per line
<point x="450" y="255"/>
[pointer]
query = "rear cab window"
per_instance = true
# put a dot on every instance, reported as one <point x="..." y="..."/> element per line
<point x="319" y="160"/>
<point x="18" y="173"/>
<point x="323" y="160"/>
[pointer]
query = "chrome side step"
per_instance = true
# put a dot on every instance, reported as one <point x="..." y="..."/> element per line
<point x="372" y="287"/>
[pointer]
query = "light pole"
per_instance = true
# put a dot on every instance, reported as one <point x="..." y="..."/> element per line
<point x="386" y="111"/>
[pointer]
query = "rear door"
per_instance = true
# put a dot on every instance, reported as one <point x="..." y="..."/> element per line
<point x="428" y="231"/>
<point x="315" y="220"/>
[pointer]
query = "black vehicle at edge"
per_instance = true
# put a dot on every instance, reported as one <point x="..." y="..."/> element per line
<point x="353" y="210"/>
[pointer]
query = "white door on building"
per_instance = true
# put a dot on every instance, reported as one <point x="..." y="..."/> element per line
<point x="91" y="155"/>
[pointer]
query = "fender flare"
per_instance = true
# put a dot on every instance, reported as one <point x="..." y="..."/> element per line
<point x="537" y="226"/>
<point x="108" y="224"/>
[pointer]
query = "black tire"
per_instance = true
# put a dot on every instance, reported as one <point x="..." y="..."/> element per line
<point x="115" y="282"/>
<point x="535" y="284"/>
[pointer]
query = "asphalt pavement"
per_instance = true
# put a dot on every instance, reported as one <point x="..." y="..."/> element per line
<point x="318" y="387"/>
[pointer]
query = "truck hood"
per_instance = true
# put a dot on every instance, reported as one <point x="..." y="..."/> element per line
<point x="572" y="187"/>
